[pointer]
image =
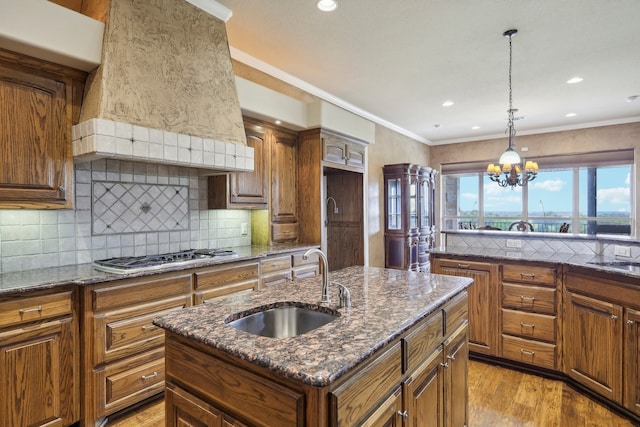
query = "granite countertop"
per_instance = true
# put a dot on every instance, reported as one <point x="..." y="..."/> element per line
<point x="574" y="260"/>
<point x="385" y="303"/>
<point x="86" y="274"/>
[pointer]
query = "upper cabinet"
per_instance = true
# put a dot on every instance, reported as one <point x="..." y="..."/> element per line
<point x="40" y="103"/>
<point x="342" y="152"/>
<point x="409" y="192"/>
<point x="244" y="190"/>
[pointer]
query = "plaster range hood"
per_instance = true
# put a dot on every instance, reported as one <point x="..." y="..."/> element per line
<point x="165" y="90"/>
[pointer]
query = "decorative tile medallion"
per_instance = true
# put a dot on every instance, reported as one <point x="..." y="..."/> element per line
<point x="120" y="207"/>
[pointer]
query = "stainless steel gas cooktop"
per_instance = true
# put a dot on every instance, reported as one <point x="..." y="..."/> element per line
<point x="136" y="264"/>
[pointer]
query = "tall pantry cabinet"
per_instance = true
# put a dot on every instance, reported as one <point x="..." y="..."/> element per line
<point x="409" y="231"/>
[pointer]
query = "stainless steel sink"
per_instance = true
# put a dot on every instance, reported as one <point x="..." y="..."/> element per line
<point x="283" y="322"/>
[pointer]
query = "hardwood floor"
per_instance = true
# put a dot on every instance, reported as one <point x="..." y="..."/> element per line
<point x="497" y="397"/>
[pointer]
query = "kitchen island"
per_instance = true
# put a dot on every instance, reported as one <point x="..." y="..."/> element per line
<point x="398" y="352"/>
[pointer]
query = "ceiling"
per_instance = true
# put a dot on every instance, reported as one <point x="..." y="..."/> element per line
<point x="396" y="62"/>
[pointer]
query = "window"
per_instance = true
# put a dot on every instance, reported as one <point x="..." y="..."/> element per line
<point x="581" y="199"/>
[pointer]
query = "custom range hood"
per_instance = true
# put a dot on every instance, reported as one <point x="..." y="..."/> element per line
<point x="165" y="90"/>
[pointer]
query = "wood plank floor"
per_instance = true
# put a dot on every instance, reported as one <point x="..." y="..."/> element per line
<point x="497" y="397"/>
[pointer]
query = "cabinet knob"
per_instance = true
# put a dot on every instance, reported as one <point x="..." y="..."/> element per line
<point x="630" y="322"/>
<point x="404" y="414"/>
<point x="444" y="365"/>
<point x="614" y="317"/>
<point x="451" y="357"/>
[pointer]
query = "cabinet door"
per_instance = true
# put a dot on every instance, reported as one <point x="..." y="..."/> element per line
<point x="283" y="179"/>
<point x="388" y="414"/>
<point x="35" y="142"/>
<point x="334" y="151"/>
<point x="252" y="188"/>
<point x="632" y="361"/>
<point x="184" y="409"/>
<point x="423" y="393"/>
<point x="593" y="344"/>
<point x="483" y="301"/>
<point x="39" y="385"/>
<point x="355" y="156"/>
<point x="456" y="352"/>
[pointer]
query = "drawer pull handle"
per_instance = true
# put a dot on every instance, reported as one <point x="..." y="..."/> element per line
<point x="31" y="310"/>
<point x="526" y="298"/>
<point x="404" y="415"/>
<point x="528" y="353"/>
<point x="527" y="275"/>
<point x="148" y="377"/>
<point x="528" y="325"/>
<point x="451" y="357"/>
<point x="463" y="266"/>
<point x="148" y="327"/>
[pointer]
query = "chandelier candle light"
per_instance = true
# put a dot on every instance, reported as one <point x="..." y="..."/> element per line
<point x="510" y="163"/>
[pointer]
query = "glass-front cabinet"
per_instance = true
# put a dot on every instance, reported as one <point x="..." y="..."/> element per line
<point x="409" y="222"/>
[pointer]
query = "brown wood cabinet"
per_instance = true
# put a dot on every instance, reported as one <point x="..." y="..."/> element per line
<point x="409" y="232"/>
<point x="483" y="300"/>
<point x="226" y="279"/>
<point x="284" y="186"/>
<point x="593" y="334"/>
<point x="530" y="320"/>
<point x="632" y="360"/>
<point x="39" y="360"/>
<point x="123" y="361"/>
<point x="40" y="103"/>
<point x="414" y="380"/>
<point x="244" y="190"/>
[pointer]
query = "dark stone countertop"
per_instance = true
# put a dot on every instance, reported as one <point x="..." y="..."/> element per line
<point x="86" y="274"/>
<point x="385" y="303"/>
<point x="574" y="260"/>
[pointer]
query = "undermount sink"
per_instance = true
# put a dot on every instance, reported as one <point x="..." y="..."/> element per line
<point x="283" y="322"/>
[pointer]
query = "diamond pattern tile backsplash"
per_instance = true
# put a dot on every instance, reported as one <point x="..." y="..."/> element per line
<point x="120" y="207"/>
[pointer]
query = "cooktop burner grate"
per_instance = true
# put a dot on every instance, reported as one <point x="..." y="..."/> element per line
<point x="148" y="262"/>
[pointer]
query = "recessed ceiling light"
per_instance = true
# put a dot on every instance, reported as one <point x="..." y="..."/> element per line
<point x="570" y="114"/>
<point x="278" y="122"/>
<point x="475" y="127"/>
<point x="327" y="5"/>
<point x="574" y="80"/>
<point x="447" y="103"/>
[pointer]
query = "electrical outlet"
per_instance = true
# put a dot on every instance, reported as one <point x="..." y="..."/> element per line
<point x="513" y="243"/>
<point x="244" y="229"/>
<point x="622" y="251"/>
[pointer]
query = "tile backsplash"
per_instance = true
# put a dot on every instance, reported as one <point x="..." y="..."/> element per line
<point x="32" y="239"/>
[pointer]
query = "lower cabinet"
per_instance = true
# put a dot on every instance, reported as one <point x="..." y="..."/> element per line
<point x="632" y="360"/>
<point x="123" y="361"/>
<point x="39" y="361"/>
<point x="418" y="380"/>
<point x="483" y="301"/>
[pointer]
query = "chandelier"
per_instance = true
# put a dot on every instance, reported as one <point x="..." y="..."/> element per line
<point x="509" y="172"/>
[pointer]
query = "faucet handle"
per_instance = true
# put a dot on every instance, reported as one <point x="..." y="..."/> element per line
<point x="344" y="296"/>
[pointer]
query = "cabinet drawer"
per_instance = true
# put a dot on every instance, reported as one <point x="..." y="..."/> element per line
<point x="225" y="291"/>
<point x="277" y="278"/>
<point x="421" y="342"/>
<point x="128" y="382"/>
<point x="306" y="271"/>
<point x="456" y="312"/>
<point x="367" y="389"/>
<point x="284" y="231"/>
<point x="133" y="291"/>
<point x="530" y="298"/>
<point x="126" y="332"/>
<point x="529" y="274"/>
<point x="529" y="325"/>
<point x="314" y="258"/>
<point x="528" y="351"/>
<point x="28" y="309"/>
<point x="271" y="264"/>
<point x="224" y="275"/>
